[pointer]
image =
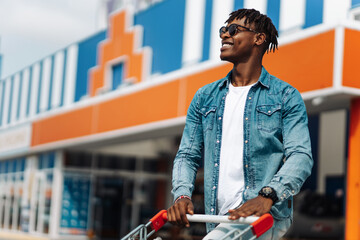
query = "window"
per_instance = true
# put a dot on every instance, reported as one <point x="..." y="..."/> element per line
<point x="118" y="75"/>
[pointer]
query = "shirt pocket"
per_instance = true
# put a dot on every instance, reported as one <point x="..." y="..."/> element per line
<point x="268" y="117"/>
<point x="208" y="116"/>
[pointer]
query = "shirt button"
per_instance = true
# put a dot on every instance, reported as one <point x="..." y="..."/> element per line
<point x="250" y="98"/>
<point x="216" y="165"/>
<point x="223" y="97"/>
<point x="269" y="111"/>
<point x="293" y="191"/>
<point x="246" y="141"/>
<point x="247" y="187"/>
<point x="212" y="210"/>
<point x="246" y="119"/>
<point x="214" y="187"/>
<point x="217" y="141"/>
<point x="246" y="166"/>
<point x="219" y="118"/>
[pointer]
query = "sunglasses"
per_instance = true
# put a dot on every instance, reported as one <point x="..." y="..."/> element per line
<point x="233" y="29"/>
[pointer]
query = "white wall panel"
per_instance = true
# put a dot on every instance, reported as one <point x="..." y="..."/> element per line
<point x="24" y="93"/>
<point x="57" y="79"/>
<point x="292" y="15"/>
<point x="45" y="85"/>
<point x="15" y="97"/>
<point x="336" y="11"/>
<point x="193" y="32"/>
<point x="70" y="77"/>
<point x="220" y="13"/>
<point x="34" y="89"/>
<point x="259" y="5"/>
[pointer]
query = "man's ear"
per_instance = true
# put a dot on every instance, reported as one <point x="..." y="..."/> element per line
<point x="260" y="38"/>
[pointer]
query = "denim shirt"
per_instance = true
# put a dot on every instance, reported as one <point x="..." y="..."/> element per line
<point x="277" y="150"/>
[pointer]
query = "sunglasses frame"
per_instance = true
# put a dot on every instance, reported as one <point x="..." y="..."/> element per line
<point x="226" y="28"/>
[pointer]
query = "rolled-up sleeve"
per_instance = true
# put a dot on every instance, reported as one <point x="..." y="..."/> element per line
<point x="190" y="150"/>
<point x="297" y="147"/>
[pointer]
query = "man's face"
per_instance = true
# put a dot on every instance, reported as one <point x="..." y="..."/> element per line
<point x="237" y="48"/>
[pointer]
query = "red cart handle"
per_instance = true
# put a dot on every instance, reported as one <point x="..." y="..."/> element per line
<point x="159" y="220"/>
<point x="264" y="223"/>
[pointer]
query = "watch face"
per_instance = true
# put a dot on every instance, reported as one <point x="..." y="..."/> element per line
<point x="267" y="190"/>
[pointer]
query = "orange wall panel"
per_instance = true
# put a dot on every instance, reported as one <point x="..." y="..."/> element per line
<point x="150" y="105"/>
<point x="351" y="73"/>
<point x="306" y="64"/>
<point x="63" y="126"/>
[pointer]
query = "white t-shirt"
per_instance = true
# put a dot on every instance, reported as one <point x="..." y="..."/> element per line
<point x="231" y="172"/>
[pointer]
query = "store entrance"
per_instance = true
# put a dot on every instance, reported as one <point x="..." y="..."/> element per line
<point x="108" y="210"/>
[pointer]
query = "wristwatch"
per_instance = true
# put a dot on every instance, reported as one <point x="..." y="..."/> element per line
<point x="269" y="192"/>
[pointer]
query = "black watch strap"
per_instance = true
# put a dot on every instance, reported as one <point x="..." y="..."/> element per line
<point x="269" y="192"/>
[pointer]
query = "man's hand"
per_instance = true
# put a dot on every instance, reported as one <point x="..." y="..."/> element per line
<point x="177" y="213"/>
<point x="256" y="206"/>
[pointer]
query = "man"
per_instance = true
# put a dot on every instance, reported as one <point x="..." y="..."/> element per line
<point x="251" y="130"/>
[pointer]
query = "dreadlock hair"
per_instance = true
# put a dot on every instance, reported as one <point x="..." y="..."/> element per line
<point x="263" y="24"/>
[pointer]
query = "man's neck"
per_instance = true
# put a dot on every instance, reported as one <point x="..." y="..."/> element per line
<point x="244" y="74"/>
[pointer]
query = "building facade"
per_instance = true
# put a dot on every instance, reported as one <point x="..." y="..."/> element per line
<point x="88" y="134"/>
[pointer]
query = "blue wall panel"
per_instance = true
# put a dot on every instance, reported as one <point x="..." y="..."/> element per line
<point x="118" y="71"/>
<point x="39" y="88"/>
<point x="19" y="97"/>
<point x="51" y="81"/>
<point x="29" y="92"/>
<point x="163" y="32"/>
<point x="11" y="98"/>
<point x="62" y="93"/>
<point x="273" y="11"/>
<point x="207" y="30"/>
<point x="355" y="3"/>
<point x="87" y="58"/>
<point x="238" y="4"/>
<point x="313" y="12"/>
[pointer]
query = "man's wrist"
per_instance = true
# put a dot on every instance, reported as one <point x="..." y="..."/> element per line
<point x="182" y="197"/>
<point x="270" y="193"/>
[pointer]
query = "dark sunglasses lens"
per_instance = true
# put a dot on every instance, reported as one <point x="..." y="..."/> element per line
<point x="232" y="30"/>
<point x="222" y="30"/>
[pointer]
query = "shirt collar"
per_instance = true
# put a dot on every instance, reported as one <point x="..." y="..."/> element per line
<point x="264" y="79"/>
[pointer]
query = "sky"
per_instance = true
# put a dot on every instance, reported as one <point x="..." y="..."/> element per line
<point x="33" y="29"/>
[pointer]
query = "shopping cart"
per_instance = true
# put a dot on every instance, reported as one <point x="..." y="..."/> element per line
<point x="256" y="225"/>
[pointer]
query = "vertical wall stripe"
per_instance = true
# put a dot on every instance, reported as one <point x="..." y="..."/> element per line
<point x="62" y="93"/>
<point x="336" y="11"/>
<point x="238" y="4"/>
<point x="193" y="32"/>
<point x="15" y="97"/>
<point x="30" y="93"/>
<point x="45" y="85"/>
<point x="221" y="10"/>
<point x="273" y="11"/>
<point x="71" y="66"/>
<point x="313" y="12"/>
<point x="38" y="97"/>
<point x="207" y="30"/>
<point x="10" y="98"/>
<point x="24" y="94"/>
<point x="50" y="92"/>
<point x="259" y="5"/>
<point x="35" y="86"/>
<point x="57" y="79"/>
<point x="2" y="92"/>
<point x="20" y="95"/>
<point x="292" y="16"/>
<point x="6" y="101"/>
